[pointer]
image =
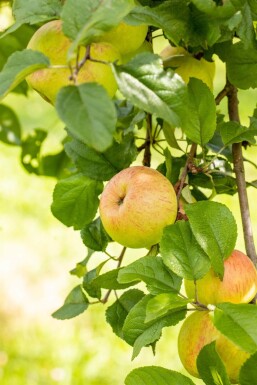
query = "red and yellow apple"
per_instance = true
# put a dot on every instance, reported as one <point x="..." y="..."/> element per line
<point x="51" y="41"/>
<point x="197" y="331"/>
<point x="239" y="284"/>
<point x="188" y="66"/>
<point x="135" y="206"/>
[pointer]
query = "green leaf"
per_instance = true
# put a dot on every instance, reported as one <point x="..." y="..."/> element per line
<point x="238" y="322"/>
<point x="139" y="333"/>
<point x="56" y="165"/>
<point x="153" y="272"/>
<point x="144" y="82"/>
<point x="75" y="200"/>
<point x="103" y="165"/>
<point x="94" y="236"/>
<point x="118" y="311"/>
<point x="199" y="124"/>
<point x="161" y="304"/>
<point x="169" y="134"/>
<point x="31" y="147"/>
<point x="88" y="281"/>
<point x="233" y="132"/>
<point x="83" y="21"/>
<point x="182" y="253"/>
<point x="247" y="375"/>
<point x="10" y="129"/>
<point x="210" y="222"/>
<point x="156" y="375"/>
<point x="210" y="367"/>
<point x="33" y="12"/>
<point x="110" y="281"/>
<point x="75" y="304"/>
<point x="89" y="114"/>
<point x="241" y="66"/>
<point x="19" y="65"/>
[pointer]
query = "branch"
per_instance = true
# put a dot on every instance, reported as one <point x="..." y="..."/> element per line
<point x="182" y="180"/>
<point x="148" y="141"/>
<point x="240" y="177"/>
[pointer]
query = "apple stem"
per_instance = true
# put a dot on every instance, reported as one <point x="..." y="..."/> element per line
<point x="240" y="176"/>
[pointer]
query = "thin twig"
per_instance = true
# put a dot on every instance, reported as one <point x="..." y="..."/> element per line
<point x="240" y="177"/>
<point x="148" y="141"/>
<point x="185" y="170"/>
<point x="222" y="94"/>
<point x="121" y="256"/>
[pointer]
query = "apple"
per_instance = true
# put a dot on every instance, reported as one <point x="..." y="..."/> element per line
<point x="125" y="37"/>
<point x="135" y="206"/>
<point x="197" y="331"/>
<point x="187" y="66"/>
<point x="50" y="40"/>
<point x="239" y="284"/>
<point x="145" y="47"/>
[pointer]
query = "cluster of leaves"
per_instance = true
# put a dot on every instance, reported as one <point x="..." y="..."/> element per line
<point x="158" y="111"/>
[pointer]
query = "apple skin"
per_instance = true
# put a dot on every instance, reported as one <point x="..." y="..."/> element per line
<point x="50" y="40"/>
<point x="197" y="331"/>
<point x="126" y="38"/>
<point x="145" y="47"/>
<point x="239" y="284"/>
<point x="187" y="66"/>
<point x="135" y="206"/>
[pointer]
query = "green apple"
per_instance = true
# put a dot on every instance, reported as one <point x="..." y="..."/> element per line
<point x="50" y="40"/>
<point x="145" y="47"/>
<point x="187" y="66"/>
<point x="125" y="37"/>
<point x="135" y="206"/>
<point x="197" y="331"/>
<point x="239" y="284"/>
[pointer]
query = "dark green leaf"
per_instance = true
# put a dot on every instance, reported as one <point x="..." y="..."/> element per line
<point x="19" y="65"/>
<point x="10" y="129"/>
<point x="144" y="82"/>
<point x="238" y="322"/>
<point x="161" y="304"/>
<point x="33" y="12"/>
<point x="75" y="200"/>
<point x="199" y="124"/>
<point x="155" y="375"/>
<point x="102" y="165"/>
<point x="182" y="253"/>
<point x="56" y="165"/>
<point x="89" y="114"/>
<point x="241" y="66"/>
<point x="75" y="304"/>
<point x="210" y="222"/>
<point x="153" y="272"/>
<point x="210" y="367"/>
<point x="94" y="236"/>
<point x="233" y="132"/>
<point x="83" y="21"/>
<point x="118" y="311"/>
<point x="139" y="333"/>
<point x="247" y="375"/>
<point x="109" y="280"/>
<point x="88" y="281"/>
<point x="31" y="147"/>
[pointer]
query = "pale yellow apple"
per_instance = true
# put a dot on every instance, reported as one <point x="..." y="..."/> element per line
<point x="239" y="284"/>
<point x="125" y="37"/>
<point x="135" y="206"/>
<point x="187" y="66"/>
<point x="50" y="40"/>
<point x="196" y="332"/>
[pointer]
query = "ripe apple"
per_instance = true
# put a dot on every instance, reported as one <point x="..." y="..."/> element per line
<point x="239" y="284"/>
<point x="135" y="206"/>
<point x="50" y="40"/>
<point x="125" y="37"/>
<point x="187" y="66"/>
<point x="196" y="332"/>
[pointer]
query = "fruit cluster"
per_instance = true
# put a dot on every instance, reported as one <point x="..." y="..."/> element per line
<point x="239" y="285"/>
<point x="91" y="64"/>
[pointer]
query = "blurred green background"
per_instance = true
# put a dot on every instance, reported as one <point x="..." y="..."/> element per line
<point x="37" y="252"/>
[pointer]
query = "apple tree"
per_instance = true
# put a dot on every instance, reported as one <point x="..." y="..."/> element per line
<point x="123" y="103"/>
